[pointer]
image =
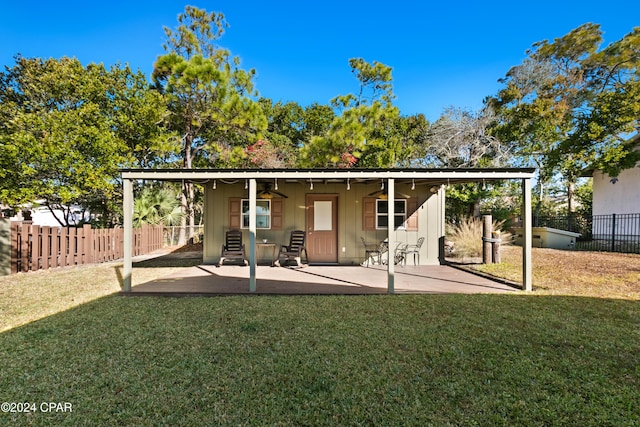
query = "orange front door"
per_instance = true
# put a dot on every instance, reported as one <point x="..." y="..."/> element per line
<point x="322" y="228"/>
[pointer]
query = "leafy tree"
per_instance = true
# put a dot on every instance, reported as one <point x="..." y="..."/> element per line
<point x="209" y="95"/>
<point x="139" y="114"/>
<point x="570" y="104"/>
<point x="317" y="119"/>
<point x="285" y="122"/>
<point x="62" y="138"/>
<point x="365" y="132"/>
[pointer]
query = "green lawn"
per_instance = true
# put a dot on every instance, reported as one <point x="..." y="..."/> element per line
<point x="365" y="360"/>
<point x="567" y="354"/>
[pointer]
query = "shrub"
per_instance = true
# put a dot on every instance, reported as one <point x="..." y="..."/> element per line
<point x="466" y="237"/>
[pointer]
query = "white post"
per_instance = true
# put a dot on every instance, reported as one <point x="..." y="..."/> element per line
<point x="127" y="210"/>
<point x="252" y="234"/>
<point x="526" y="236"/>
<point x="391" y="235"/>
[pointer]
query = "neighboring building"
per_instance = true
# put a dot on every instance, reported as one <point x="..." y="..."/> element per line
<point x="617" y="195"/>
<point x="616" y="205"/>
<point x="44" y="217"/>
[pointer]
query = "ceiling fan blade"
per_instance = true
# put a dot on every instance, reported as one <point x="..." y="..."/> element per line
<point x="397" y="194"/>
<point x="268" y="191"/>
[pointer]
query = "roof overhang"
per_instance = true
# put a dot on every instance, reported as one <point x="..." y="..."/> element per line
<point x="442" y="176"/>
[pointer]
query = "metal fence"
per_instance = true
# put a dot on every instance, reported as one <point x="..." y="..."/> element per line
<point x="612" y="233"/>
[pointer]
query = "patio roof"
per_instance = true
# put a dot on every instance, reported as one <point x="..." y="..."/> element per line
<point x="391" y="175"/>
<point x="434" y="176"/>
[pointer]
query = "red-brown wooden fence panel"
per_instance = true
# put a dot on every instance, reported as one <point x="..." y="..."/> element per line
<point x="34" y="247"/>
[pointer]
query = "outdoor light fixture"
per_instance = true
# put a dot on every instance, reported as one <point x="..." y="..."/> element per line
<point x="413" y="184"/>
<point x="214" y="184"/>
<point x="382" y="184"/>
<point x="246" y="184"/>
<point x="276" y="184"/>
<point x="311" y="185"/>
<point x="348" y="184"/>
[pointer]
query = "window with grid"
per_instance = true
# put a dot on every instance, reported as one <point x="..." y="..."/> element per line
<point x="263" y="214"/>
<point x="382" y="210"/>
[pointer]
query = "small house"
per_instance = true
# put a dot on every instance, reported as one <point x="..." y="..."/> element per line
<point x="336" y="208"/>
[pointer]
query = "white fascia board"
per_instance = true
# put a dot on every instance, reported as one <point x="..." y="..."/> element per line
<point x="196" y="175"/>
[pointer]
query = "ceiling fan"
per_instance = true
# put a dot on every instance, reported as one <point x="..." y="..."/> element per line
<point x="267" y="192"/>
<point x="383" y="194"/>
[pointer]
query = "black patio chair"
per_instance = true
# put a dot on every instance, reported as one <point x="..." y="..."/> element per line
<point x="233" y="248"/>
<point x="293" y="251"/>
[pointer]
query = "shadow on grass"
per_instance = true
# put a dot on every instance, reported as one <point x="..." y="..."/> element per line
<point x="177" y="258"/>
<point x="289" y="360"/>
<point x="172" y="259"/>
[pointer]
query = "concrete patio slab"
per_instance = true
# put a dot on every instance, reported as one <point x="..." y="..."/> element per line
<point x="316" y="280"/>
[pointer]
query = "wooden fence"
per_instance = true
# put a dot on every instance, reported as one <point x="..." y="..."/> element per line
<point x="34" y="247"/>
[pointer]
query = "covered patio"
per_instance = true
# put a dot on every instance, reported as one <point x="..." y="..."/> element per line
<point x="319" y="280"/>
<point x="350" y="188"/>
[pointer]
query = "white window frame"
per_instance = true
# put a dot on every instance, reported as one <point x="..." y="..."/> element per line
<point x="244" y="214"/>
<point x="397" y="214"/>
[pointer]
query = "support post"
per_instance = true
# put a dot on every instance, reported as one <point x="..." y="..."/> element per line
<point x="487" y="224"/>
<point x="495" y="247"/>
<point x="391" y="236"/>
<point x="127" y="210"/>
<point x="252" y="234"/>
<point x="526" y="236"/>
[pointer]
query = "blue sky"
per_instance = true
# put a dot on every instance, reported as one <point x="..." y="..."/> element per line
<point x="442" y="53"/>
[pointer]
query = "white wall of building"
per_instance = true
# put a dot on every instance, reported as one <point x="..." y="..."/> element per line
<point x="621" y="197"/>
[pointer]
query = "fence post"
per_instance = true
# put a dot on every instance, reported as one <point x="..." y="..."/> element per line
<point x="495" y="246"/>
<point x="5" y="247"/>
<point x="88" y="243"/>
<point x="487" y="223"/>
<point x="613" y="233"/>
<point x="36" y="239"/>
<point x="15" y="247"/>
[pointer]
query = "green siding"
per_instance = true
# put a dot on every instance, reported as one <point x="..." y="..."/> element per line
<point x="350" y="217"/>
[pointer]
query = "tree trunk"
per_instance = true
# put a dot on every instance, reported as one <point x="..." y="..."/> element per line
<point x="187" y="192"/>
<point x="182" y="238"/>
<point x="570" y="196"/>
